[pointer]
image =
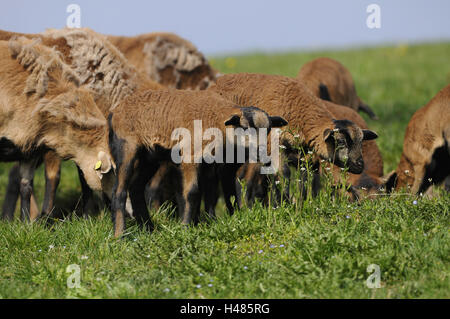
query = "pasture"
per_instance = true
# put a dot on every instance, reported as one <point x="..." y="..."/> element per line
<point x="318" y="250"/>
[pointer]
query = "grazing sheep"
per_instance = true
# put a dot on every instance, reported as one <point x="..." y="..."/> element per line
<point x="167" y="59"/>
<point x="338" y="141"/>
<point x="311" y="125"/>
<point x="369" y="181"/>
<point x="426" y="148"/>
<point x="330" y="80"/>
<point x="140" y="131"/>
<point x="371" y="178"/>
<point x="42" y="108"/>
<point x="100" y="67"/>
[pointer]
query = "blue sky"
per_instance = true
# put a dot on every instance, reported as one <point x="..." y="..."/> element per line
<point x="221" y="27"/>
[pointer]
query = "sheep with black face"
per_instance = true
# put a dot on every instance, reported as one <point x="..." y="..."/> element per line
<point x="338" y="141"/>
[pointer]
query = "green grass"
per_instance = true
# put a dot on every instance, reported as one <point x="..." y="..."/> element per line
<point x="326" y="245"/>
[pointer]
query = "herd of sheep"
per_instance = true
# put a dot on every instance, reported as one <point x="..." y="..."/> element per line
<point x="111" y="104"/>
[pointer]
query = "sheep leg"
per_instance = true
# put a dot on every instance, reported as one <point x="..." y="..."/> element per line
<point x="34" y="209"/>
<point x="238" y="191"/>
<point x="52" y="176"/>
<point x="137" y="194"/>
<point x="154" y="188"/>
<point x="209" y="186"/>
<point x="26" y="171"/>
<point x="419" y="185"/>
<point x="12" y="193"/>
<point x="190" y="197"/>
<point x="87" y="196"/>
<point x="258" y="186"/>
<point x="228" y="182"/>
<point x="287" y="179"/>
<point x="316" y="185"/>
<point x="447" y="184"/>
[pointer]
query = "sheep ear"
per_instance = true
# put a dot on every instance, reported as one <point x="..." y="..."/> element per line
<point x="369" y="135"/>
<point x="235" y="120"/>
<point x="103" y="165"/>
<point x="278" y="121"/>
<point x="390" y="181"/>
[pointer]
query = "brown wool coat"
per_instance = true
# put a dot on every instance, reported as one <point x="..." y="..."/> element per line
<point x="427" y="131"/>
<point x="149" y="119"/>
<point x="337" y="79"/>
<point x="41" y="105"/>
<point x="99" y="65"/>
<point x="167" y="59"/>
<point x="283" y="96"/>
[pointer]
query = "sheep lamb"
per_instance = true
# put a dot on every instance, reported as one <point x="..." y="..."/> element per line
<point x="140" y="138"/>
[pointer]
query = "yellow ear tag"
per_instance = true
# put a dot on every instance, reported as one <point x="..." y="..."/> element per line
<point x="98" y="165"/>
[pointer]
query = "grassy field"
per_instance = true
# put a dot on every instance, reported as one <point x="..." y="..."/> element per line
<point x="319" y="250"/>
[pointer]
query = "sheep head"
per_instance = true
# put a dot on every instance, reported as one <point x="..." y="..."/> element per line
<point x="344" y="144"/>
<point x="75" y="108"/>
<point x="76" y="129"/>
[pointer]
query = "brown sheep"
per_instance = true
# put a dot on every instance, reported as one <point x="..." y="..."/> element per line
<point x="426" y="147"/>
<point x="41" y="108"/>
<point x="102" y="68"/>
<point x="138" y="147"/>
<point x="369" y="181"/>
<point x="175" y="63"/>
<point x="167" y="59"/>
<point x="338" y="141"/>
<point x="330" y="80"/>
